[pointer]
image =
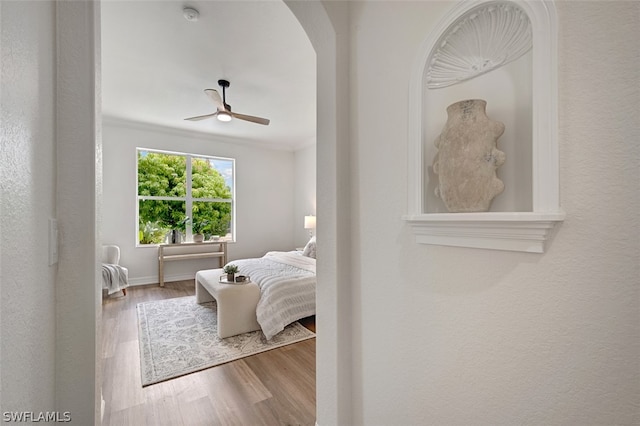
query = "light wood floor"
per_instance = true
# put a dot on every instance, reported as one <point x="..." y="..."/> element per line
<point x="272" y="388"/>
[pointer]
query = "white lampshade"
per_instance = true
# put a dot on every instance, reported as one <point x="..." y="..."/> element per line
<point x="309" y="222"/>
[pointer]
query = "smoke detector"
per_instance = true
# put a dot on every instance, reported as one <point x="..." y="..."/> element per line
<point x="190" y="14"/>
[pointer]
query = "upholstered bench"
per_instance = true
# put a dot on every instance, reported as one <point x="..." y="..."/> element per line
<point x="236" y="302"/>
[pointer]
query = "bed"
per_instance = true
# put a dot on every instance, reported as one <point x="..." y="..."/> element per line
<point x="287" y="282"/>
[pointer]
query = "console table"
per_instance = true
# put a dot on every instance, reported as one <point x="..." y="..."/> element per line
<point x="184" y="251"/>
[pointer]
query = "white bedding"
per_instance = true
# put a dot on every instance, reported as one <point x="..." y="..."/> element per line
<point x="287" y="282"/>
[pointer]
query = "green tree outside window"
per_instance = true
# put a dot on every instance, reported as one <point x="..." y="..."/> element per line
<point x="164" y="195"/>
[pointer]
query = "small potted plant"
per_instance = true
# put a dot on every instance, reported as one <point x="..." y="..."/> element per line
<point x="231" y="270"/>
<point x="198" y="229"/>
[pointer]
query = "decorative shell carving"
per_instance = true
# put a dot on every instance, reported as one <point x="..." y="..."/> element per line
<point x="481" y="40"/>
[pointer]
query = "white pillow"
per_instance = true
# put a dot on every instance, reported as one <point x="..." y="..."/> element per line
<point x="310" y="248"/>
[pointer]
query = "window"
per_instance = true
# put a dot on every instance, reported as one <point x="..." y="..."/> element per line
<point x="193" y="194"/>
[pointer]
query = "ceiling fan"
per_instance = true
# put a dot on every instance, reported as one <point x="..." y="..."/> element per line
<point x="224" y="112"/>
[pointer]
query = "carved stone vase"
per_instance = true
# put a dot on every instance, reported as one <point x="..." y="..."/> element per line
<point x="468" y="158"/>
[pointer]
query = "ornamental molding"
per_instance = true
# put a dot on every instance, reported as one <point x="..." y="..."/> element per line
<point x="482" y="39"/>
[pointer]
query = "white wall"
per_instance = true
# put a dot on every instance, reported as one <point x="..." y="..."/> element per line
<point x="28" y="200"/>
<point x="454" y="336"/>
<point x="265" y="191"/>
<point x="305" y="191"/>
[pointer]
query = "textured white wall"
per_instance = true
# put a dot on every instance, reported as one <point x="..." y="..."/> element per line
<point x="28" y="200"/>
<point x="264" y="196"/>
<point x="305" y="191"/>
<point x="451" y="336"/>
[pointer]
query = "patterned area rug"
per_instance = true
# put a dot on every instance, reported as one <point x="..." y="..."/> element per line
<point x="178" y="337"/>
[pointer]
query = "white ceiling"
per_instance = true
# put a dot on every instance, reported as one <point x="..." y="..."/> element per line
<point x="156" y="64"/>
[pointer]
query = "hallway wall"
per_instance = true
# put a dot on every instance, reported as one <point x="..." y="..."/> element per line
<point x="451" y="336"/>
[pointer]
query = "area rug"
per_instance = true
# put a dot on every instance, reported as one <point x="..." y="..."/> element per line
<point x="178" y="337"/>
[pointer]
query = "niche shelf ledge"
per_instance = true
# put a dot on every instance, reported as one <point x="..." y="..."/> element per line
<point x="512" y="231"/>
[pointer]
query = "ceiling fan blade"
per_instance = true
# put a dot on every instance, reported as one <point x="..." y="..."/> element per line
<point x="215" y="97"/>
<point x="251" y="118"/>
<point x="202" y="117"/>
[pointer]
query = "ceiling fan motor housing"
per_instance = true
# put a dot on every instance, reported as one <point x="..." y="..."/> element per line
<point x="224" y="84"/>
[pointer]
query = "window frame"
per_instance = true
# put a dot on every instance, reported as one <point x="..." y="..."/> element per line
<point x="187" y="199"/>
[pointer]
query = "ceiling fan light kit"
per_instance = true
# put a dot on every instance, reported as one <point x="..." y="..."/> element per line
<point x="224" y="112"/>
<point x="224" y="116"/>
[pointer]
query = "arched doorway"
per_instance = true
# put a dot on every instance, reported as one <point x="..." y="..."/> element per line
<point x="328" y="34"/>
<point x="78" y="333"/>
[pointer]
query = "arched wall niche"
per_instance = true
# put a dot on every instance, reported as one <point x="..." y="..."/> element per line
<point x="519" y="84"/>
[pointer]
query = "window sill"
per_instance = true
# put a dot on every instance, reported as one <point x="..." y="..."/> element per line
<point x="512" y="231"/>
